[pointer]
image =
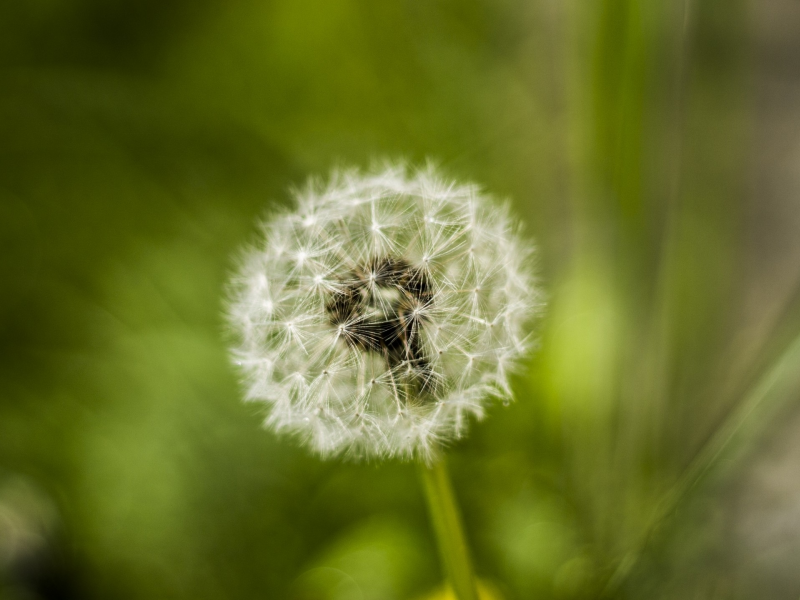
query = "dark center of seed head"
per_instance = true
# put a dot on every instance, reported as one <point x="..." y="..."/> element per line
<point x="378" y="307"/>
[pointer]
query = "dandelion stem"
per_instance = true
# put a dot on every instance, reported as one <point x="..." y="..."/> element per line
<point x="449" y="531"/>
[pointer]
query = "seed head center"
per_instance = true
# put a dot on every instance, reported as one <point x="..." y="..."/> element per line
<point x="376" y="307"/>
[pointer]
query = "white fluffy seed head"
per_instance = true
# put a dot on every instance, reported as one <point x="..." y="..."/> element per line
<point x="382" y="312"/>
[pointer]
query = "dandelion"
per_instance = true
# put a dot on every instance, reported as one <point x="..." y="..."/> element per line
<point x="380" y="315"/>
<point x="382" y="312"/>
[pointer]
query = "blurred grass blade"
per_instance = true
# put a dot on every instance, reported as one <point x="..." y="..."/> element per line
<point x="738" y="432"/>
<point x="741" y="428"/>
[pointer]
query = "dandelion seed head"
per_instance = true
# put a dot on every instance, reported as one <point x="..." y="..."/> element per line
<point x="384" y="313"/>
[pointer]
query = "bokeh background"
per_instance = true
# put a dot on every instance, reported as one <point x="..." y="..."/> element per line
<point x="651" y="147"/>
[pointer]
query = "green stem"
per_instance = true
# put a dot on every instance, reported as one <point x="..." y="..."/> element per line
<point x="449" y="532"/>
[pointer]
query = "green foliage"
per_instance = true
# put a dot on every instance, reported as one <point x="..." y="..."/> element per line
<point x="140" y="142"/>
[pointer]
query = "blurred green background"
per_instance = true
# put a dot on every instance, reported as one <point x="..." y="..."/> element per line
<point x="652" y="149"/>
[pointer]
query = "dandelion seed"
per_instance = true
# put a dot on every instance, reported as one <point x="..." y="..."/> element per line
<point x="386" y="312"/>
